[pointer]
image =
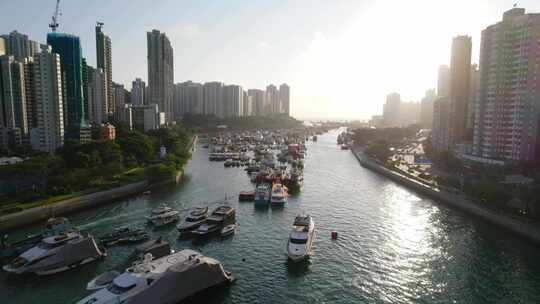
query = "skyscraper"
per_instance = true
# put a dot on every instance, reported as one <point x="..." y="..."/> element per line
<point x="49" y="132"/>
<point x="507" y="112"/>
<point x="104" y="62"/>
<point x="138" y="92"/>
<point x="160" y="72"/>
<point x="443" y="82"/>
<point x="12" y="94"/>
<point x="460" y="81"/>
<point x="69" y="49"/>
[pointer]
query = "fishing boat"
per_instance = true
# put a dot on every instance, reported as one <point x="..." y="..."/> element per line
<point x="262" y="194"/>
<point x="169" y="279"/>
<point x="56" y="254"/>
<point x="220" y="217"/>
<point x="195" y="218"/>
<point x="279" y="194"/>
<point x="246" y="196"/>
<point x="301" y="238"/>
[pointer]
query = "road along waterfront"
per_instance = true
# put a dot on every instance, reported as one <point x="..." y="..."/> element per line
<point x="394" y="245"/>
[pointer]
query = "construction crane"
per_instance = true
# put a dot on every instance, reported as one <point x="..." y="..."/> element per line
<point x="54" y="24"/>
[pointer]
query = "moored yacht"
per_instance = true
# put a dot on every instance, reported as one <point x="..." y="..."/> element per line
<point x="301" y="238"/>
<point x="279" y="194"/>
<point x="195" y="218"/>
<point x="220" y="217"/>
<point x="162" y="216"/>
<point x="55" y="254"/>
<point x="169" y="279"/>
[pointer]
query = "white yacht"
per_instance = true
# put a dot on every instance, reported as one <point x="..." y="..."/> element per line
<point x="55" y="254"/>
<point x="169" y="279"/>
<point x="301" y="238"/>
<point x="279" y="194"/>
<point x="195" y="218"/>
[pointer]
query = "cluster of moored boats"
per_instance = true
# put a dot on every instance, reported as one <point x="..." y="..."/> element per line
<point x="158" y="274"/>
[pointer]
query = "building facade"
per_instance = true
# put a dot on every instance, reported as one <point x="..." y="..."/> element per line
<point x="138" y="92"/>
<point x="12" y="94"/>
<point x="460" y="80"/>
<point x="258" y="101"/>
<point x="443" y="81"/>
<point x="440" y="131"/>
<point x="48" y="135"/>
<point x="212" y="97"/>
<point x="506" y="125"/>
<point x="69" y="49"/>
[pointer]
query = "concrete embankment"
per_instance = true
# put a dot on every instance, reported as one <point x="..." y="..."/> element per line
<point x="42" y="213"/>
<point x="525" y="229"/>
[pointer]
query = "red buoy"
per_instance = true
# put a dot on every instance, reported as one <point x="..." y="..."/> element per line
<point x="334" y="235"/>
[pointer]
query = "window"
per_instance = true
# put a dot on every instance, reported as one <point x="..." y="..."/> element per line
<point x="298" y="241"/>
<point x="113" y="288"/>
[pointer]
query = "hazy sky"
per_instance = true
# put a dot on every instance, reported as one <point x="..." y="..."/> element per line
<point x="340" y="58"/>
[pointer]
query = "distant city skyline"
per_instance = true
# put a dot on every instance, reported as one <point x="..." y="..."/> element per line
<point x="341" y="59"/>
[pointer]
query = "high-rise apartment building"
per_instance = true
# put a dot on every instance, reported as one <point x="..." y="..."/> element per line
<point x="13" y="113"/>
<point x="392" y="110"/>
<point x="212" y="98"/>
<point x="160" y="71"/>
<point x="426" y="109"/>
<point x="506" y="123"/>
<point x="69" y="49"/>
<point x="440" y="131"/>
<point x="104" y="62"/>
<point x="19" y="46"/>
<point x="443" y="82"/>
<point x="273" y="104"/>
<point x="48" y="135"/>
<point x="188" y="99"/>
<point x="285" y="98"/>
<point x="97" y="96"/>
<point x="258" y="101"/>
<point x="232" y="101"/>
<point x="460" y="81"/>
<point x="138" y="92"/>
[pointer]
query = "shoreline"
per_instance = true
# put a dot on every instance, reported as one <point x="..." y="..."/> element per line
<point x="458" y="201"/>
<point x="86" y="201"/>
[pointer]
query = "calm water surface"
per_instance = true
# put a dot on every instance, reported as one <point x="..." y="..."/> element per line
<point x="394" y="246"/>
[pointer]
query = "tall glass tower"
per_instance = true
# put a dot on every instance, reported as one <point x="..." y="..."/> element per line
<point x="69" y="48"/>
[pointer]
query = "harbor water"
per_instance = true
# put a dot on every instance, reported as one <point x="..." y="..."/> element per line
<point x="394" y="246"/>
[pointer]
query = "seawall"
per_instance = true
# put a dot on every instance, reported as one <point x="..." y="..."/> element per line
<point x="42" y="213"/>
<point x="459" y="201"/>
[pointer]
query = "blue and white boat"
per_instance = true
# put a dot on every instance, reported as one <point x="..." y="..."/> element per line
<point x="262" y="194"/>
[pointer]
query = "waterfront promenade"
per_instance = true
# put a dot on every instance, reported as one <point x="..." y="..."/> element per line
<point x="528" y="230"/>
